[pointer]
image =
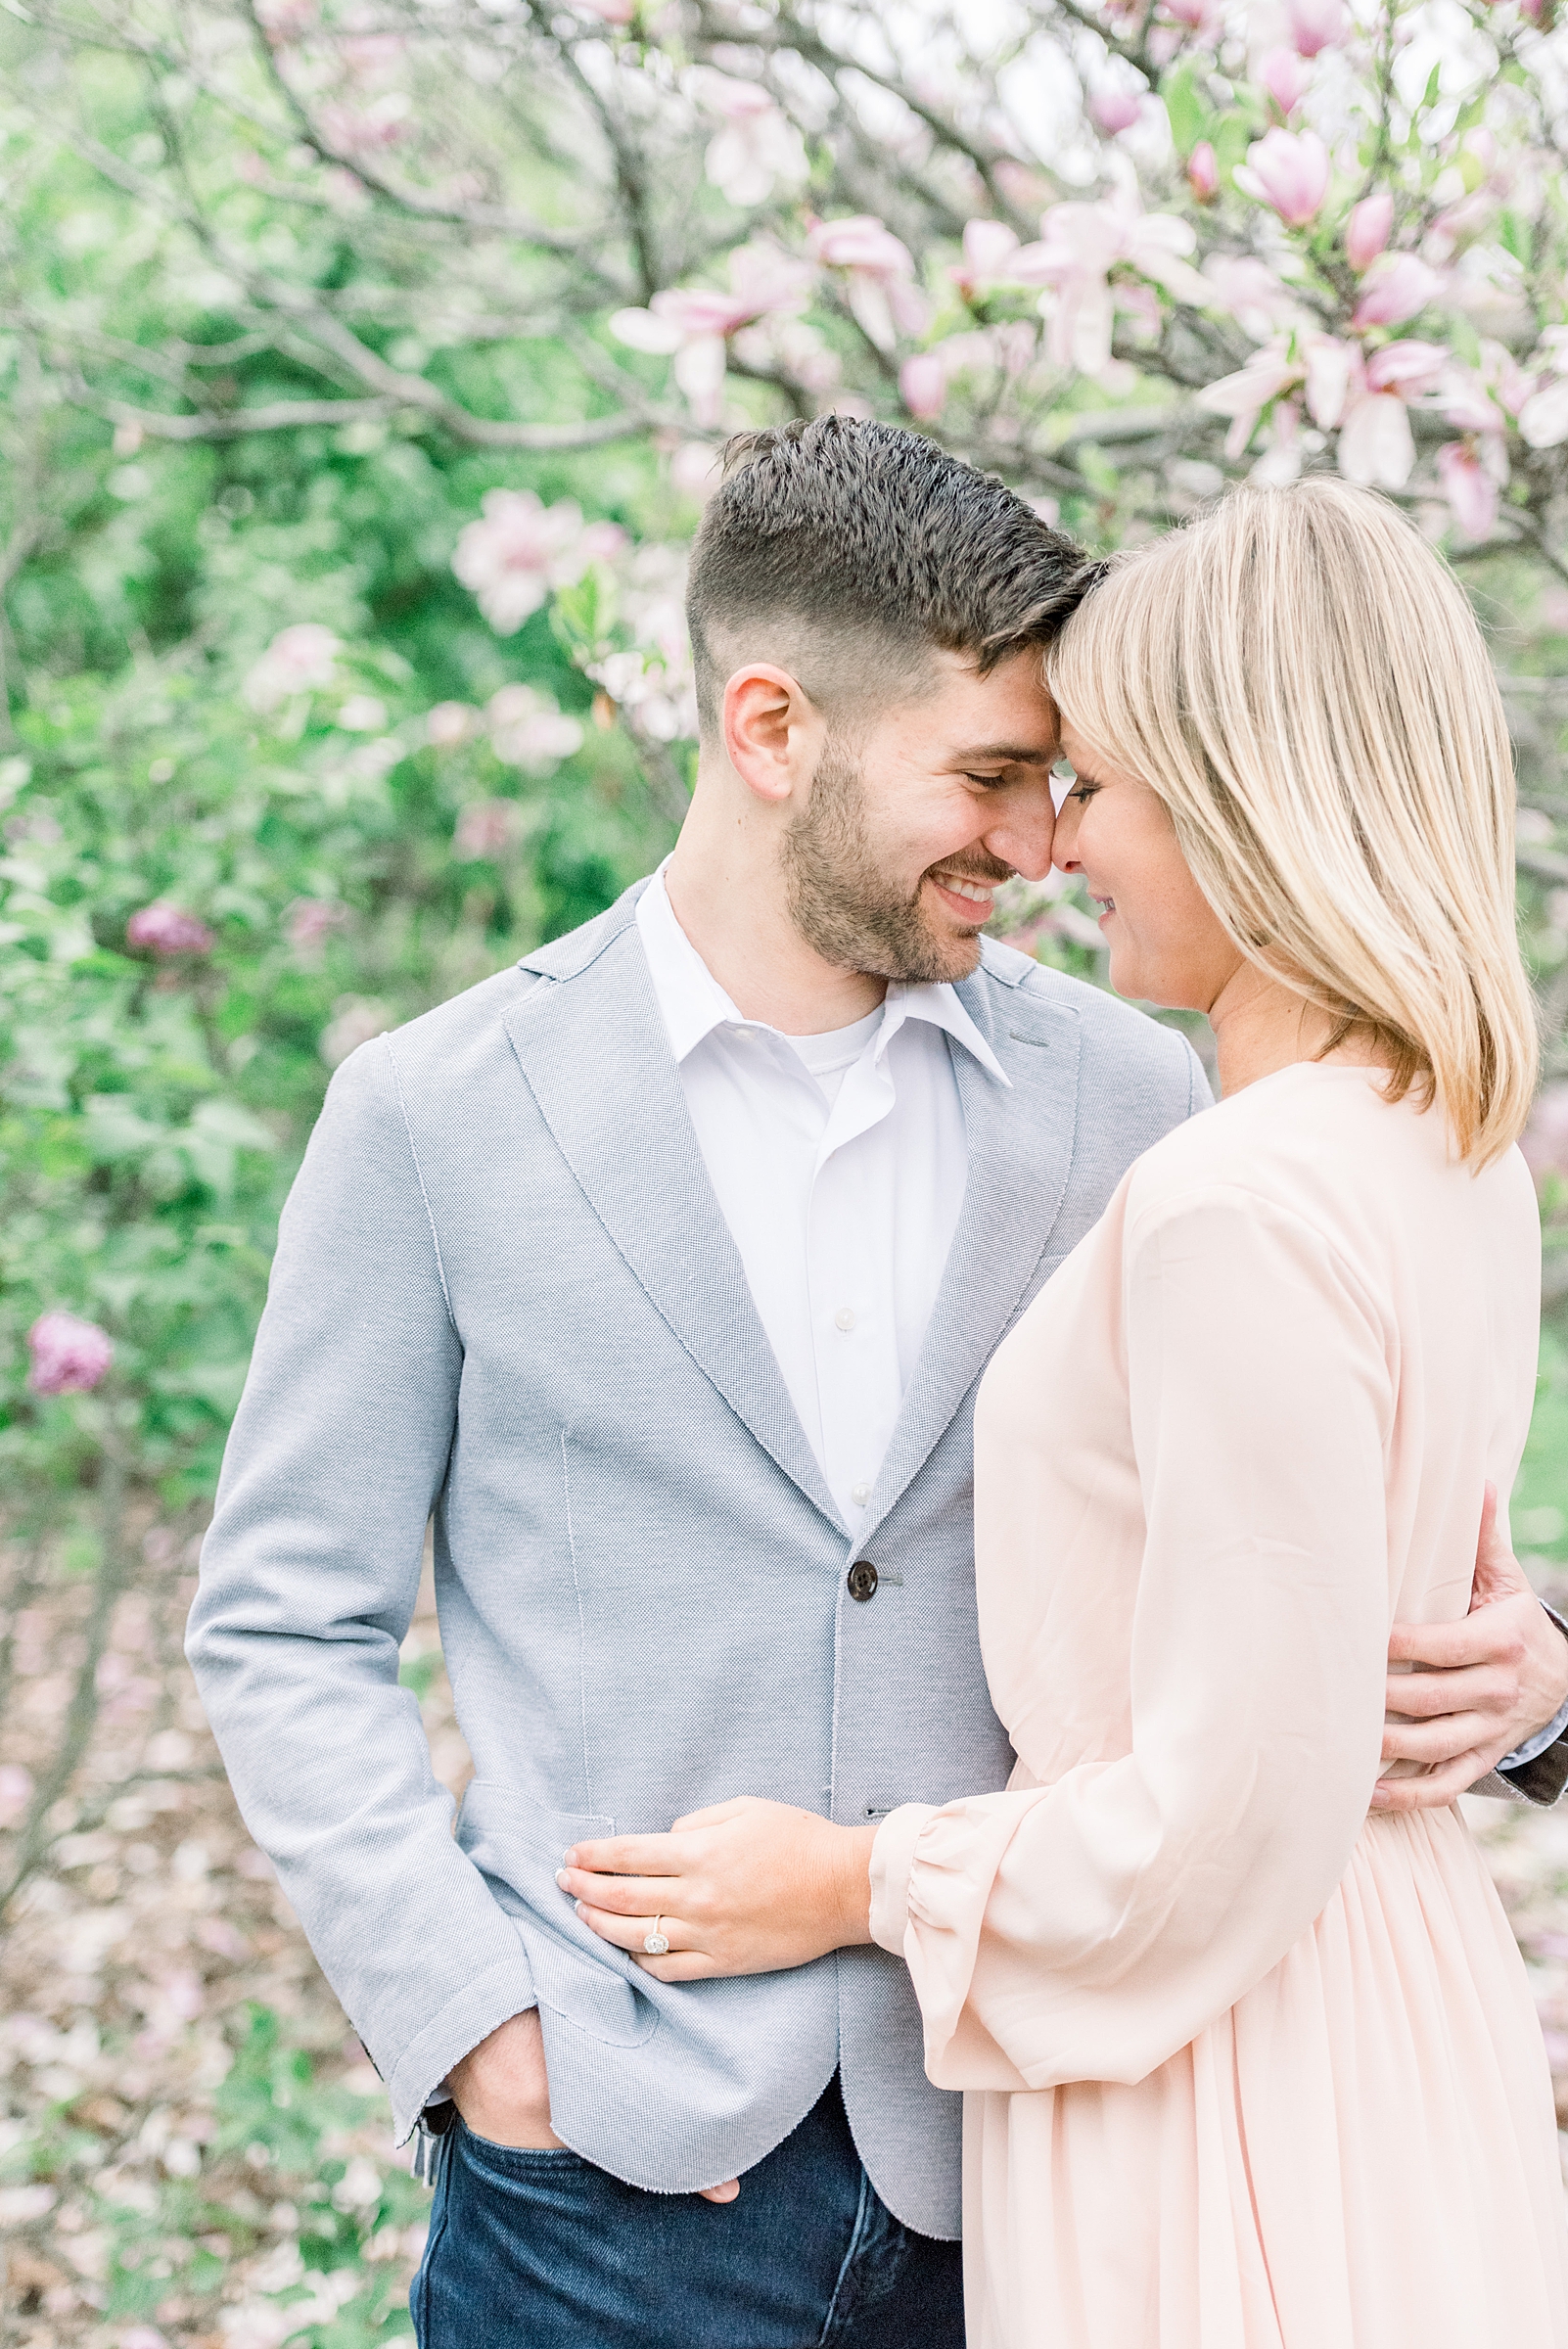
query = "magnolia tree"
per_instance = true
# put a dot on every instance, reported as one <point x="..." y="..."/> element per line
<point x="1118" y="252"/>
<point x="1121" y="252"/>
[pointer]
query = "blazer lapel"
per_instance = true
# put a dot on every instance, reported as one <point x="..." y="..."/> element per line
<point x="1020" y="1145"/>
<point x="592" y="1047"/>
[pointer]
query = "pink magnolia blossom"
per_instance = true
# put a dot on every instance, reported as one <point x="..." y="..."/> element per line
<point x="1508" y="383"/>
<point x="1376" y="448"/>
<point x="1116" y="110"/>
<point x="1259" y="302"/>
<point x="1409" y="367"/>
<point x="522" y="549"/>
<point x="1284" y="74"/>
<point x="529" y="731"/>
<point x="757" y="148"/>
<point x="696" y="322"/>
<point x="302" y="658"/>
<point x="1281" y="460"/>
<point x="1543" y="413"/>
<point x="1081" y="244"/>
<point x="1244" y="396"/>
<point x="1334" y="370"/>
<point x="923" y="386"/>
<point x="881" y="289"/>
<point x="1471" y="488"/>
<point x="1203" y="172"/>
<point x="169" y="930"/>
<point x="989" y="246"/>
<point x="1204" y="17"/>
<point x="1289" y="169"/>
<point x="1398" y="286"/>
<point x="311" y="921"/>
<point x="1316" y="24"/>
<point x="69" y="1355"/>
<point x="1368" y="228"/>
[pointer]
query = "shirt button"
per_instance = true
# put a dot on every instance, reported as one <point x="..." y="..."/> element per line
<point x="845" y="1318"/>
<point x="862" y="1579"/>
<point x="860" y="1494"/>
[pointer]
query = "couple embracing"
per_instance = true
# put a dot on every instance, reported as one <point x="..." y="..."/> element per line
<point x="959" y="1573"/>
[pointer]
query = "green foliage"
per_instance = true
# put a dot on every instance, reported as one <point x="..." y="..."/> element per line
<point x="153" y="1107"/>
<point x="286" y="2128"/>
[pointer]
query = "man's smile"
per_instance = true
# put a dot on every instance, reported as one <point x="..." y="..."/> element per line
<point x="971" y="900"/>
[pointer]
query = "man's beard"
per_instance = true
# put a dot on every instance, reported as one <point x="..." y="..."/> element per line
<point x="840" y="898"/>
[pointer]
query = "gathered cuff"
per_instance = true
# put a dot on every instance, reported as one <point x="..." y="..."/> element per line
<point x="892" y="1863"/>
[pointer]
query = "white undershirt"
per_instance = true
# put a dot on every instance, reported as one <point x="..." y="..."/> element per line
<point x="839" y="1161"/>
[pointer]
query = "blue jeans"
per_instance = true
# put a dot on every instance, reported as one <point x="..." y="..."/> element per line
<point x="540" y="2250"/>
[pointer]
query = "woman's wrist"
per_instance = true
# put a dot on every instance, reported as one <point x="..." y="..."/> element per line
<point x="852" y="1861"/>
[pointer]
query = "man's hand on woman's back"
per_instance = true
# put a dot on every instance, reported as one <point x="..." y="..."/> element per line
<point x="1480" y="1687"/>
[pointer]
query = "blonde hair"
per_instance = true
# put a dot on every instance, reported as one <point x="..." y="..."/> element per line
<point x="1302" y="682"/>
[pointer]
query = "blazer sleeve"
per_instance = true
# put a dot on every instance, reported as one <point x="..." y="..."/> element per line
<point x="1089" y="1929"/>
<point x="1543" y="1775"/>
<point x="309" y="1578"/>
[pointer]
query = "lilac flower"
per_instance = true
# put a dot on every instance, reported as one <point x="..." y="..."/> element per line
<point x="169" y="930"/>
<point x="69" y="1355"/>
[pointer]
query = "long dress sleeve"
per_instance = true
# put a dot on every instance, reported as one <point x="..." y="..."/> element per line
<point x="1089" y="1927"/>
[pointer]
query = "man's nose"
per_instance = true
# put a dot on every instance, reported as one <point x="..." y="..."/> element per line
<point x="1065" y="840"/>
<point x="1022" y="834"/>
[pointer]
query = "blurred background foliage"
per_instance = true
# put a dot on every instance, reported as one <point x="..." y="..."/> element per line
<point x="302" y="304"/>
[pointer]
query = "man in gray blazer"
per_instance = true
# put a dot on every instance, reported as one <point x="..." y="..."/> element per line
<point x="661" y="1270"/>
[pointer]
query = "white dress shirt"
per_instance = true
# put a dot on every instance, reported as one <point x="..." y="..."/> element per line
<point x="839" y="1161"/>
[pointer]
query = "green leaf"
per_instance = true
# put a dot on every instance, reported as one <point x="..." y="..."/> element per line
<point x="1184" y="107"/>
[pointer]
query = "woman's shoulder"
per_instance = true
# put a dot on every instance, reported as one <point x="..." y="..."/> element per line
<point x="1323" y="1144"/>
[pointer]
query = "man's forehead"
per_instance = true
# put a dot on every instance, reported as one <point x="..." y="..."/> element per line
<point x="1005" y="716"/>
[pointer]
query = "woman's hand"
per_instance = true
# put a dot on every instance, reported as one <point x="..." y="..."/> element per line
<point x="747" y="1887"/>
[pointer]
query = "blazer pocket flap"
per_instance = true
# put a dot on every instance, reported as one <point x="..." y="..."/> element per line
<point x="517" y="1845"/>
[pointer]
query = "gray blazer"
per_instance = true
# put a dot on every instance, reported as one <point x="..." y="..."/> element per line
<point x="504" y="1292"/>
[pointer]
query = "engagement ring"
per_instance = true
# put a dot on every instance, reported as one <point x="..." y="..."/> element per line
<point x="656" y="1942"/>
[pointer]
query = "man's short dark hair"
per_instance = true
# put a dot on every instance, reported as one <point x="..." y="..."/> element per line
<point x="852" y="548"/>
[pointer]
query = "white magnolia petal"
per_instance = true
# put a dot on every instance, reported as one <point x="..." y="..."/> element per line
<point x="1544" y="418"/>
<point x="640" y="330"/>
<point x="1376" y="448"/>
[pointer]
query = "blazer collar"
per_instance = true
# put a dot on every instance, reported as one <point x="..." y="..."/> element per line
<point x="594" y="1053"/>
<point x="593" y="1049"/>
<point x="1020" y="1146"/>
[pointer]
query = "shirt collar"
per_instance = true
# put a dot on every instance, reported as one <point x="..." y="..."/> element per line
<point x="693" y="1003"/>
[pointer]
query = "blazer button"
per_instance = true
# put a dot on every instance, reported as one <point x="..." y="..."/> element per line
<point x="862" y="1579"/>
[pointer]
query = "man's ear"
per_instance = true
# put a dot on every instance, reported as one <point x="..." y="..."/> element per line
<point x="772" y="731"/>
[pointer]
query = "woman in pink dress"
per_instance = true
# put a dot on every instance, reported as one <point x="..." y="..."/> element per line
<point x="1249" y="2065"/>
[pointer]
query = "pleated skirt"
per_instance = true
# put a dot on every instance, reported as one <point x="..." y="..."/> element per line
<point x="1361" y="2154"/>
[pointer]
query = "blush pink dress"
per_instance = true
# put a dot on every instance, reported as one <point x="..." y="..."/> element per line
<point x="1247" y="2066"/>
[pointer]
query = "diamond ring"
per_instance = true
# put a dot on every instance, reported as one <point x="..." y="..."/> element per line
<point x="656" y="1942"/>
